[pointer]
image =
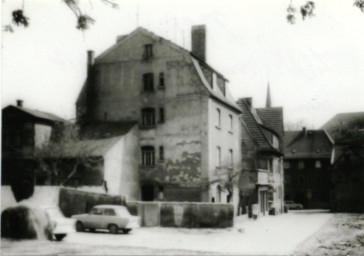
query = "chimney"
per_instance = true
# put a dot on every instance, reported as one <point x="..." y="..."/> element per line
<point x="304" y="131"/>
<point x="19" y="103"/>
<point x="198" y="41"/>
<point x="90" y="61"/>
<point x="248" y="101"/>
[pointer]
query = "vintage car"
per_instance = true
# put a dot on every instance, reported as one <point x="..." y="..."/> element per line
<point x="291" y="205"/>
<point x="61" y="225"/>
<point x="110" y="217"/>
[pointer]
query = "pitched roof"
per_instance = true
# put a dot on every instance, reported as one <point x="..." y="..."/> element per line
<point x="341" y="123"/>
<point x="255" y="127"/>
<point x="36" y="113"/>
<point x="98" y="130"/>
<point x="273" y="119"/>
<point x="89" y="147"/>
<point x="215" y="92"/>
<point x="308" y="144"/>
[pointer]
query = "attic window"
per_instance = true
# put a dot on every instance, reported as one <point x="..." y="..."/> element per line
<point x="148" y="51"/>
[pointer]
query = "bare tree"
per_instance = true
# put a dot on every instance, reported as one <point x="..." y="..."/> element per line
<point x="226" y="178"/>
<point x="83" y="21"/>
<point x="65" y="156"/>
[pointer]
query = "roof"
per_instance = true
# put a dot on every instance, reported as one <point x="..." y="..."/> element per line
<point x="89" y="147"/>
<point x="215" y="92"/>
<point x="105" y="130"/>
<point x="36" y="113"/>
<point x="344" y="124"/>
<point x="255" y="128"/>
<point x="308" y="144"/>
<point x="273" y="119"/>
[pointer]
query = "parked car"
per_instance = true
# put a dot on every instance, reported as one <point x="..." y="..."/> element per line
<point x="61" y="225"/>
<point x="110" y="217"/>
<point x="291" y="205"/>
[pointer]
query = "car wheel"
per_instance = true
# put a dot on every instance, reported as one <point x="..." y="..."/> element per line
<point x="79" y="226"/>
<point x="113" y="229"/>
<point x="126" y="230"/>
<point x="59" y="237"/>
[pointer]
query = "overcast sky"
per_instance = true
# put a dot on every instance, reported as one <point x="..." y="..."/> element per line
<point x="315" y="68"/>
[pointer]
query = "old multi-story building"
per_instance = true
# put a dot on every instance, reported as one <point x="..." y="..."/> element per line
<point x="261" y="180"/>
<point x="308" y="155"/>
<point x="188" y="124"/>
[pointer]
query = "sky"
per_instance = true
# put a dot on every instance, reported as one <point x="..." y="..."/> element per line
<point x="315" y="68"/>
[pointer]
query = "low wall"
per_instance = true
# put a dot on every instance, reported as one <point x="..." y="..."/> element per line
<point x="72" y="201"/>
<point x="43" y="195"/>
<point x="183" y="214"/>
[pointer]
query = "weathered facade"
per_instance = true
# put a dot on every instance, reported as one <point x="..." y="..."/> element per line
<point x="261" y="180"/>
<point x="187" y="123"/>
<point x="308" y="155"/>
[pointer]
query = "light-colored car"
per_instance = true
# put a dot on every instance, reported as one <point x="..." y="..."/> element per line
<point x="61" y="225"/>
<point x="110" y="217"/>
<point x="291" y="205"/>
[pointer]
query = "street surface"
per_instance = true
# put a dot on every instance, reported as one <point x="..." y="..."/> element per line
<point x="270" y="235"/>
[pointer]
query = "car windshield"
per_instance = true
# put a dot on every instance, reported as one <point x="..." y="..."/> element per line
<point x="54" y="213"/>
<point x="123" y="212"/>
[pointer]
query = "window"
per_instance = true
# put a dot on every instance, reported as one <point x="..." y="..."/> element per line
<point x="301" y="165"/>
<point x="231" y="158"/>
<point x="147" y="155"/>
<point x="148" y="82"/>
<point x="161" y="115"/>
<point x="270" y="165"/>
<point x="96" y="211"/>
<point x="218" y="156"/>
<point x="161" y="153"/>
<point x="218" y="118"/>
<point x="148" y="51"/>
<point x="109" y="212"/>
<point x="287" y="165"/>
<point x="317" y="164"/>
<point x="161" y="80"/>
<point x="148" y="117"/>
<point x="231" y="122"/>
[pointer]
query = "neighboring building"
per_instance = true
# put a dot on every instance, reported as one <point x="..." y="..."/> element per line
<point x="348" y="175"/>
<point x="23" y="131"/>
<point x="308" y="155"/>
<point x="188" y="124"/>
<point x="261" y="180"/>
<point x="344" y="125"/>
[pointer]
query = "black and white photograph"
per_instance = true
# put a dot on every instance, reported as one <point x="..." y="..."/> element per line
<point x="169" y="127"/>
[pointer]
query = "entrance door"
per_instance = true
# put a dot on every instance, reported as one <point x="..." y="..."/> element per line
<point x="263" y="201"/>
<point x="147" y="193"/>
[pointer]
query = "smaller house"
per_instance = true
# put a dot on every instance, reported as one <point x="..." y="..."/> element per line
<point x="261" y="179"/>
<point x="23" y="131"/>
<point x="308" y="155"/>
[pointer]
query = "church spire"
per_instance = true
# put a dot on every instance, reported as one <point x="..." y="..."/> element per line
<point x="268" y="103"/>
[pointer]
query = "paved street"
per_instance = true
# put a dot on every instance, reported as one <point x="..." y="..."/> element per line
<point x="271" y="235"/>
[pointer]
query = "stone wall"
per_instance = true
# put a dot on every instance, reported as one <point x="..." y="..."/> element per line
<point x="73" y="201"/>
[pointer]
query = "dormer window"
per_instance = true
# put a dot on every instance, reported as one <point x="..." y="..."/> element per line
<point x="148" y="82"/>
<point x="148" y="51"/>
